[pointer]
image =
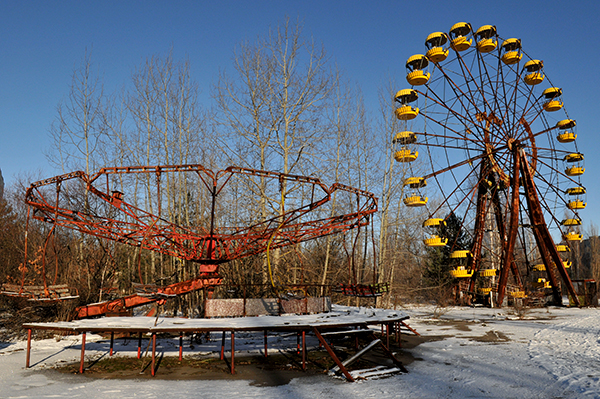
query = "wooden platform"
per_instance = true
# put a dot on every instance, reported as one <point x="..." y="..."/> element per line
<point x="340" y="318"/>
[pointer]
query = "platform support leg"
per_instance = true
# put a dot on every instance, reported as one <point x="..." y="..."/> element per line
<point x="303" y="350"/>
<point x="139" y="345"/>
<point x="265" y="343"/>
<point x="153" y="352"/>
<point x="180" y="346"/>
<point x="82" y="353"/>
<point x="112" y="342"/>
<point x="223" y="346"/>
<point x="28" y="348"/>
<point x="387" y="334"/>
<point x="232" y="352"/>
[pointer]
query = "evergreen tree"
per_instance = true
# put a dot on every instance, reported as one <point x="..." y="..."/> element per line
<point x="438" y="262"/>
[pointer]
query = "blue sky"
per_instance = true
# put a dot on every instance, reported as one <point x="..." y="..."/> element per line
<point x="42" y="41"/>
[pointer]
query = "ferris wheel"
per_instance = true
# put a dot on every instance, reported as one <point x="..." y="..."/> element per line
<point x="501" y="149"/>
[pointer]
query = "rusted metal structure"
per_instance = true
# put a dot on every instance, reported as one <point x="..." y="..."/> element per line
<point x="137" y="206"/>
<point x="503" y="154"/>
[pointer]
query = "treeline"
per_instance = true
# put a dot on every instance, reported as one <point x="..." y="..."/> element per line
<point x="283" y="106"/>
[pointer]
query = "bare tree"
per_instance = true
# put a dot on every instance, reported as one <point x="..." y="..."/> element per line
<point x="593" y="251"/>
<point x="273" y="107"/>
<point x="78" y="133"/>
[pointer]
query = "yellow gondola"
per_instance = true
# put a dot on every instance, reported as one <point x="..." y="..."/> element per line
<point x="485" y="38"/>
<point x="518" y="294"/>
<point x="488" y="272"/>
<point x="458" y="36"/>
<point x="404" y="138"/>
<point x="540" y="267"/>
<point x="563" y="248"/>
<point x="485" y="291"/>
<point x="406" y="112"/>
<point x="571" y="222"/>
<point x="541" y="283"/>
<point x="435" y="241"/>
<point x="566" y="124"/>
<point x="461" y="253"/>
<point x="575" y="171"/>
<point x="415" y="182"/>
<point x="567" y="264"/>
<point x="575" y="190"/>
<point x="552" y="102"/>
<point x="577" y="204"/>
<point x="437" y="52"/>
<point x="461" y="272"/>
<point x="405" y="155"/>
<point x="415" y="200"/>
<point x="416" y="75"/>
<point x="574" y="157"/>
<point x="573" y="236"/>
<point x="534" y="76"/>
<point x="512" y="51"/>
<point x="566" y="137"/>
<point x="434" y="222"/>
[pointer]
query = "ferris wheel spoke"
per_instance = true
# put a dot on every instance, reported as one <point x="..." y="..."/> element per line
<point x="454" y="166"/>
<point x="466" y="100"/>
<point x="446" y="137"/>
<point x="448" y="146"/>
<point x="452" y="194"/>
<point x="462" y="119"/>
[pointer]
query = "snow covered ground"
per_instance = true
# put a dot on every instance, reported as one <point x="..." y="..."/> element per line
<point x="473" y="353"/>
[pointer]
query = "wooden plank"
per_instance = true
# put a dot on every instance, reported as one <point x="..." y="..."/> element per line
<point x="356" y="356"/>
<point x="391" y="355"/>
<point x="345" y="332"/>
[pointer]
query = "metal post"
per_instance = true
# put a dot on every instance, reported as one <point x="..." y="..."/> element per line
<point x="180" y="346"/>
<point x="303" y="350"/>
<point x="232" y="352"/>
<point x="265" y="343"/>
<point x="223" y="346"/>
<point x="387" y="334"/>
<point x="82" y="353"/>
<point x="112" y="342"/>
<point x="28" y="348"/>
<point x="153" y="352"/>
<point x="139" y="345"/>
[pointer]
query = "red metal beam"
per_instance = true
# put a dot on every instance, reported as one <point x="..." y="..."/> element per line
<point x="513" y="226"/>
<point x="547" y="247"/>
<point x="333" y="355"/>
<point x="481" y="210"/>
<point x="132" y="301"/>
